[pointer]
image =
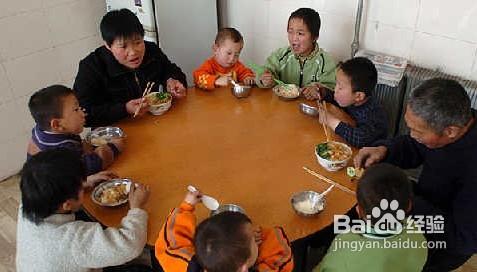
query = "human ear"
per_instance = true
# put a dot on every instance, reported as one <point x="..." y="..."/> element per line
<point x="55" y="124"/>
<point x="451" y="132"/>
<point x="359" y="96"/>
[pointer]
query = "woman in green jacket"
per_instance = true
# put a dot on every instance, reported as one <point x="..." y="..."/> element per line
<point x="303" y="62"/>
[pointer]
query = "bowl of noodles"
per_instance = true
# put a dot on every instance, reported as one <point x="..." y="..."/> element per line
<point x="159" y="102"/>
<point x="286" y="91"/>
<point x="111" y="193"/>
<point x="333" y="156"/>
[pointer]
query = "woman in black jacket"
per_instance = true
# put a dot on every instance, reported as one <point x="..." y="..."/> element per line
<point x="111" y="80"/>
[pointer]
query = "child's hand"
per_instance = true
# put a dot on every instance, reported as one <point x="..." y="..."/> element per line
<point x="132" y="106"/>
<point x="193" y="197"/>
<point x="106" y="155"/>
<point x="118" y="142"/>
<point x="267" y="79"/>
<point x="328" y="118"/>
<point x="222" y="81"/>
<point x="94" y="179"/>
<point x="311" y="92"/>
<point x="250" y="80"/>
<point x="176" y="88"/>
<point x="138" y="195"/>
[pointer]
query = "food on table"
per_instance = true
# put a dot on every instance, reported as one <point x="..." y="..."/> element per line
<point x="307" y="206"/>
<point x="114" y="194"/>
<point x="333" y="151"/>
<point x="158" y="98"/>
<point x="99" y="140"/>
<point x="354" y="172"/>
<point x="287" y="90"/>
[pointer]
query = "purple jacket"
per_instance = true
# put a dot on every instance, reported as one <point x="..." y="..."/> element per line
<point x="46" y="140"/>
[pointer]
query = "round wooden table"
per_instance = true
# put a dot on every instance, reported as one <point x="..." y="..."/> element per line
<point x="247" y="151"/>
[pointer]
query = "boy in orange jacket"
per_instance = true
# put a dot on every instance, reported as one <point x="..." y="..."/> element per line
<point x="224" y="65"/>
<point x="223" y="242"/>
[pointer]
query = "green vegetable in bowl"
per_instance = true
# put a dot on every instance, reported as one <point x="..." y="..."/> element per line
<point x="323" y="150"/>
<point x="159" y="98"/>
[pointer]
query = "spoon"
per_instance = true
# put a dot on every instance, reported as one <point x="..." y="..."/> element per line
<point x="327" y="191"/>
<point x="235" y="83"/>
<point x="209" y="202"/>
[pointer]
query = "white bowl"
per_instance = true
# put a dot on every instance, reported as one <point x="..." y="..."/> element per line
<point x="158" y="109"/>
<point x="335" y="165"/>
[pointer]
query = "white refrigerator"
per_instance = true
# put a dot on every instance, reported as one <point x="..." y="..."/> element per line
<point x="184" y="29"/>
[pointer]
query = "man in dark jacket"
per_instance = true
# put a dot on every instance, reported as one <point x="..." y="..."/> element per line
<point x="112" y="79"/>
<point x="443" y="139"/>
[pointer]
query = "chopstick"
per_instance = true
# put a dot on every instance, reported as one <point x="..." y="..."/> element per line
<point x="144" y="94"/>
<point x="343" y="188"/>
<point x="322" y="105"/>
<point x="328" y="134"/>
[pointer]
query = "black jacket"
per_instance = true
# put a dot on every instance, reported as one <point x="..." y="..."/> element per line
<point x="447" y="185"/>
<point x="104" y="86"/>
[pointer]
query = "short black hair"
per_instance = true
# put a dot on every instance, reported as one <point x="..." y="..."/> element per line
<point x="362" y="74"/>
<point x="122" y="24"/>
<point x="221" y="243"/>
<point x="228" y="33"/>
<point x="47" y="104"/>
<point x="383" y="181"/>
<point x="48" y="179"/>
<point x="441" y="103"/>
<point x="310" y="17"/>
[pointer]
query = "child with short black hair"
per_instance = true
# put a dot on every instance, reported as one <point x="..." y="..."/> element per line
<point x="49" y="238"/>
<point x="356" y="79"/>
<point x="386" y="188"/>
<point x="224" y="65"/>
<point x="302" y="62"/>
<point x="59" y="121"/>
<point x="222" y="242"/>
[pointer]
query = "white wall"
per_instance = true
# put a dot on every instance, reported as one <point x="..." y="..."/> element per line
<point x="41" y="43"/>
<point x="438" y="34"/>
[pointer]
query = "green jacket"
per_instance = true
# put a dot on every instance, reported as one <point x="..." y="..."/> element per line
<point x="319" y="66"/>
<point x="371" y="257"/>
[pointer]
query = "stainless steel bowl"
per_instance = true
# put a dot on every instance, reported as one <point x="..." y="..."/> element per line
<point x="103" y="135"/>
<point x="228" y="208"/>
<point x="308" y="110"/>
<point x="241" y="91"/>
<point x="307" y="203"/>
<point x="98" y="191"/>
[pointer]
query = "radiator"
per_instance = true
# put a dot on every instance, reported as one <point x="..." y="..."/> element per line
<point x="391" y="98"/>
<point x="415" y="75"/>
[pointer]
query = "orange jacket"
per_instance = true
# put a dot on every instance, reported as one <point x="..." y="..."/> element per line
<point x="174" y="247"/>
<point x="210" y="70"/>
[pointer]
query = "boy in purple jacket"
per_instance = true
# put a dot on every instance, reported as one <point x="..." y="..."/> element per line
<point x="59" y="121"/>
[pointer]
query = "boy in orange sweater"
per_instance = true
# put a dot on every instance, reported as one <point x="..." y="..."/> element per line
<point x="223" y="242"/>
<point x="224" y="65"/>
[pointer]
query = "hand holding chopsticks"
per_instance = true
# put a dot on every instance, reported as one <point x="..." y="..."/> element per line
<point x="148" y="89"/>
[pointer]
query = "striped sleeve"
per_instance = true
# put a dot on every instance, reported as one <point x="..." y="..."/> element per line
<point x="174" y="246"/>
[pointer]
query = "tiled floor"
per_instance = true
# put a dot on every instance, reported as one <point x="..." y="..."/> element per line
<point x="9" y="199"/>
